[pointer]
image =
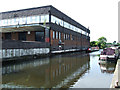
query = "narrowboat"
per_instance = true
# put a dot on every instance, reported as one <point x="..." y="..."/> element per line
<point x="109" y="54"/>
<point x="91" y="49"/>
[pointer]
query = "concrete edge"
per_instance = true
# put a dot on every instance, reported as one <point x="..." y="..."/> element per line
<point x="116" y="76"/>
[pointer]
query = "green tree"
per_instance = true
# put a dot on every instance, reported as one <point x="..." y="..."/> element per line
<point x="102" y="42"/>
<point x="93" y="43"/>
<point x="114" y="42"/>
<point x="118" y="44"/>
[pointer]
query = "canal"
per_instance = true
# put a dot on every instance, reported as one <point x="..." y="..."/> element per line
<point x="71" y="70"/>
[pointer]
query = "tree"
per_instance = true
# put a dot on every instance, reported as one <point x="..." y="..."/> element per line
<point x="114" y="42"/>
<point x="118" y="44"/>
<point x="94" y="43"/>
<point x="102" y="42"/>
<point x="102" y="39"/>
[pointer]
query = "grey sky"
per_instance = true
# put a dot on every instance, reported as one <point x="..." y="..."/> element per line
<point x="101" y="16"/>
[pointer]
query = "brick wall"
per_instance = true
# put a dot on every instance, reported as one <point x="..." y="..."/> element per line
<point x="14" y="36"/>
<point x="30" y="37"/>
<point x="68" y="44"/>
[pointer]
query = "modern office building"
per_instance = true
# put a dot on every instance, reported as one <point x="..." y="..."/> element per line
<point x="43" y="25"/>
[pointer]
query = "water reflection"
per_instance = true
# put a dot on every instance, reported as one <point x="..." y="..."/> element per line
<point x="58" y="71"/>
<point x="107" y="67"/>
<point x="23" y="65"/>
<point x="94" y="78"/>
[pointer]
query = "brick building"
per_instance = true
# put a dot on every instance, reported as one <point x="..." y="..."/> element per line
<point x="45" y="25"/>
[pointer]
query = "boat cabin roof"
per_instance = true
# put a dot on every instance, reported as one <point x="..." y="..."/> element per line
<point x="108" y="51"/>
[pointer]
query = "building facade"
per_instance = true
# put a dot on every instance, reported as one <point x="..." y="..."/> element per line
<point x="44" y="25"/>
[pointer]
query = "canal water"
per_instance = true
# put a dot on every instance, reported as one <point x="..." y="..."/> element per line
<point x="71" y="70"/>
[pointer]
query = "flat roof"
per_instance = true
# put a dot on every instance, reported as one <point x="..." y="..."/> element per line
<point x="26" y="9"/>
<point x="47" y="9"/>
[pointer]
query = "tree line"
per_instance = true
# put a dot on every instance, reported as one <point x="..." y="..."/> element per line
<point x="102" y="43"/>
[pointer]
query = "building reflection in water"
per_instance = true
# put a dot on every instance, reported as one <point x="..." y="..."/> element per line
<point x="107" y="67"/>
<point x="58" y="71"/>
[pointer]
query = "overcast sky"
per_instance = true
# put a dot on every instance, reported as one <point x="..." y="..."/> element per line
<point x="101" y="16"/>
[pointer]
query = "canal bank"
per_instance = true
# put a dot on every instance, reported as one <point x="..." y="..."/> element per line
<point x="43" y="55"/>
<point x="116" y="77"/>
<point x="18" y="50"/>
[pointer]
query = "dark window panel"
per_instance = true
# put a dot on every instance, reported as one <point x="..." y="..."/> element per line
<point x="22" y="36"/>
<point x="7" y="35"/>
<point x="40" y="36"/>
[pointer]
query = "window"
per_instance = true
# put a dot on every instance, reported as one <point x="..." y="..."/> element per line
<point x="16" y="21"/>
<point x="73" y="28"/>
<point x="44" y="18"/>
<point x="64" y="37"/>
<point x="47" y="18"/>
<point x="41" y="19"/>
<point x="33" y="19"/>
<point x="29" y="20"/>
<point x="52" y="19"/>
<point x="9" y="21"/>
<point x="83" y="32"/>
<point x="59" y="35"/>
<point x="12" y="21"/>
<point x="79" y="30"/>
<point x="68" y="36"/>
<point x="73" y="37"/>
<point x="23" y="20"/>
<point x="39" y="36"/>
<point x="56" y="35"/>
<point x="36" y="19"/>
<point x="4" y="22"/>
<point x="87" y="34"/>
<point x="7" y="35"/>
<point x="65" y="24"/>
<point x="76" y="29"/>
<point x="22" y="36"/>
<point x="70" y="26"/>
<point x="56" y="20"/>
<point x="53" y="34"/>
<point x="61" y="22"/>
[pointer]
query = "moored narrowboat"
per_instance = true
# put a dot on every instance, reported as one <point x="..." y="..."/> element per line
<point x="109" y="54"/>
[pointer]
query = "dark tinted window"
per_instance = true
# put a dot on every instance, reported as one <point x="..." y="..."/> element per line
<point x="7" y="35"/>
<point x="22" y="36"/>
<point x="39" y="36"/>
